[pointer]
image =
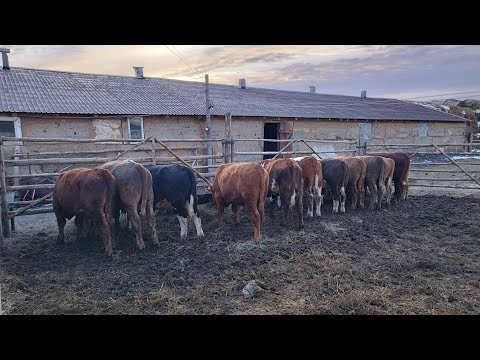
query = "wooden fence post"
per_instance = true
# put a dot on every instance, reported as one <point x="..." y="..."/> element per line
<point x="154" y="156"/>
<point x="3" y="193"/>
<point x="228" y="137"/>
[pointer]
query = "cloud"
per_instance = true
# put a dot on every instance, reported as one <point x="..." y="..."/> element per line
<point x="346" y="69"/>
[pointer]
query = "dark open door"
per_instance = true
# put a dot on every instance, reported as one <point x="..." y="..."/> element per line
<point x="270" y="131"/>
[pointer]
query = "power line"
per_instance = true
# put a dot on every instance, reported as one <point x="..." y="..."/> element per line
<point x="182" y="59"/>
<point x="475" y="92"/>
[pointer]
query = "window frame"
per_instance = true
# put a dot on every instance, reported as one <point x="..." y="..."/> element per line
<point x="17" y="126"/>
<point x="141" y="127"/>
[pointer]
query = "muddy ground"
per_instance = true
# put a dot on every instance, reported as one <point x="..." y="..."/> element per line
<point x="420" y="257"/>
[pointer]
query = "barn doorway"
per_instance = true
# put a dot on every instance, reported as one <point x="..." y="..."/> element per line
<point x="270" y="131"/>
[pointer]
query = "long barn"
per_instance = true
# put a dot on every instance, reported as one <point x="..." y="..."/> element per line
<point x="58" y="104"/>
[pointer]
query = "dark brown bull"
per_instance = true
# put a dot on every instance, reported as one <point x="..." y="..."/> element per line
<point x="133" y="193"/>
<point x="357" y="170"/>
<point x="375" y="179"/>
<point x="312" y="183"/>
<point x="335" y="174"/>
<point x="242" y="185"/>
<point x="85" y="193"/>
<point x="400" y="175"/>
<point x="286" y="183"/>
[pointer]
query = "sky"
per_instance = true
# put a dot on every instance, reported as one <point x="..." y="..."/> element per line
<point x="410" y="72"/>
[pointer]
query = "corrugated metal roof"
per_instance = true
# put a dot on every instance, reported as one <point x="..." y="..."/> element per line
<point x="57" y="92"/>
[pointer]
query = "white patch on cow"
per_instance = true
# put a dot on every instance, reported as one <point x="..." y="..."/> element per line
<point x="198" y="226"/>
<point x="292" y="199"/>
<point x="342" y="207"/>
<point x="300" y="158"/>
<point x="274" y="187"/>
<point x="335" y="206"/>
<point x="315" y="182"/>
<point x="183" y="226"/>
<point x="279" y="203"/>
<point x="342" y="191"/>
<point x="271" y="199"/>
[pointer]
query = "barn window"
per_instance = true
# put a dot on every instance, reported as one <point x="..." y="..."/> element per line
<point x="10" y="126"/>
<point x="135" y="127"/>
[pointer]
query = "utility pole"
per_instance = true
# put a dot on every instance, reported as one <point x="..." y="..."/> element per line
<point x="208" y="129"/>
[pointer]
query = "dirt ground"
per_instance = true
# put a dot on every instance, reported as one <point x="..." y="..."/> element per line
<point x="419" y="257"/>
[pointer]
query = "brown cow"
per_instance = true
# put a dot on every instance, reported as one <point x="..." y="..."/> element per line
<point x="85" y="192"/>
<point x="335" y="174"/>
<point x="400" y="175"/>
<point x="286" y="183"/>
<point x="375" y="179"/>
<point x="357" y="169"/>
<point x="242" y="185"/>
<point x="389" y="170"/>
<point x="312" y="183"/>
<point x="133" y="192"/>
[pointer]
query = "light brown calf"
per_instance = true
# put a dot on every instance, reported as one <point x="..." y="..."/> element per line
<point x="242" y="185"/>
<point x="357" y="170"/>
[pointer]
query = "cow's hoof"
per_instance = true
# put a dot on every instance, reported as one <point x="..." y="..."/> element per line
<point x="141" y="246"/>
<point x="201" y="236"/>
<point x="59" y="241"/>
<point x="109" y="252"/>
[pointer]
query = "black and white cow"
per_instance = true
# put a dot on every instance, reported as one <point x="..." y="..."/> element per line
<point x="176" y="185"/>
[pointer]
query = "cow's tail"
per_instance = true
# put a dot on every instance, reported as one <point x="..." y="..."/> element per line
<point x="262" y="195"/>
<point x="381" y="180"/>
<point x="344" y="181"/>
<point x="146" y="184"/>
<point x="111" y="183"/>
<point x="193" y="199"/>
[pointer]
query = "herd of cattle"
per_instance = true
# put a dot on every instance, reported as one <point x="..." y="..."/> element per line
<point x="100" y="194"/>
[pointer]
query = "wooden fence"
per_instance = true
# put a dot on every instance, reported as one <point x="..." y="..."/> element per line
<point x="192" y="153"/>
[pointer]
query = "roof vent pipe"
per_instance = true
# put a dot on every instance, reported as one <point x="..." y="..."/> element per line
<point x="364" y="94"/>
<point x="4" y="52"/>
<point x="312" y="89"/>
<point x="138" y="72"/>
<point x="242" y="83"/>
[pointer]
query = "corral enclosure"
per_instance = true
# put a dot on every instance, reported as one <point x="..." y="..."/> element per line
<point x="422" y="256"/>
<point x="418" y="257"/>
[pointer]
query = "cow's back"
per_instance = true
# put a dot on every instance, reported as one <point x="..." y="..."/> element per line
<point x="239" y="181"/>
<point x="171" y="180"/>
<point x="84" y="190"/>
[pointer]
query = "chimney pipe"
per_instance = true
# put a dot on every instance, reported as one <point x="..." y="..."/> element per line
<point x="138" y="72"/>
<point x="364" y="94"/>
<point x="4" y="52"/>
<point x="242" y="83"/>
<point x="312" y="89"/>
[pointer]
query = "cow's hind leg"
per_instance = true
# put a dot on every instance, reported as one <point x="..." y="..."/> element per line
<point x="151" y="221"/>
<point x="182" y="216"/>
<point x="343" y="199"/>
<point x="310" y="200"/>
<point x="105" y="233"/>
<point x="236" y="212"/>
<point x="61" y="221"/>
<point x="79" y="222"/>
<point x="255" y="216"/>
<point x="318" y="201"/>
<point x="136" y="224"/>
